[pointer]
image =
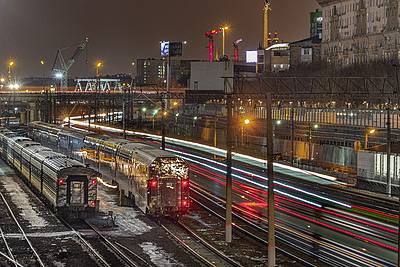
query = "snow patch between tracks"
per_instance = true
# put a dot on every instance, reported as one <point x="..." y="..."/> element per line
<point x="24" y="204"/>
<point x="158" y="256"/>
<point x="127" y="219"/>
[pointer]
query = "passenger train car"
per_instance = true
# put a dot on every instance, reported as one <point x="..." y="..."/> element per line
<point x="157" y="181"/>
<point x="66" y="184"/>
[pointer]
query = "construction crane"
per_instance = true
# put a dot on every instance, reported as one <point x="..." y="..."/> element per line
<point x="61" y="67"/>
<point x="210" y="35"/>
<point x="236" y="49"/>
<point x="267" y="9"/>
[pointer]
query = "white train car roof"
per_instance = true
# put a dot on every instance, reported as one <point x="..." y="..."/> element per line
<point x="18" y="139"/>
<point x="32" y="150"/>
<point x="26" y="143"/>
<point x="45" y="126"/>
<point x="47" y="154"/>
<point x="143" y="152"/>
<point x="58" y="163"/>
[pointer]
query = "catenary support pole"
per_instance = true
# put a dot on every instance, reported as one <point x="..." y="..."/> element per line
<point x="162" y="125"/>
<point x="229" y="146"/>
<point x="292" y="134"/>
<point x="270" y="173"/>
<point x="388" y="150"/>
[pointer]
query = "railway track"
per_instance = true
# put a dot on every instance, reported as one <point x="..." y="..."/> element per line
<point x="247" y="227"/>
<point x="106" y="252"/>
<point x="197" y="246"/>
<point x="19" y="252"/>
<point x="299" y="253"/>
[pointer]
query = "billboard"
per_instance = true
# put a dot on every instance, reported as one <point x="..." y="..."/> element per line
<point x="164" y="49"/>
<point x="251" y="56"/>
<point x="171" y="49"/>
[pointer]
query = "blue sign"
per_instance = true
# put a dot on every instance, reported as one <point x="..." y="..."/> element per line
<point x="164" y="49"/>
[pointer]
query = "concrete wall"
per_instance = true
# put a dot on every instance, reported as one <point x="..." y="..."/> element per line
<point x="206" y="76"/>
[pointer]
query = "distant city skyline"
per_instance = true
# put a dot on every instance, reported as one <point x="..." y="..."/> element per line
<point x="123" y="31"/>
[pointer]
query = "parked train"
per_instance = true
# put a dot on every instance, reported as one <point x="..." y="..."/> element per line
<point x="155" y="180"/>
<point x="66" y="184"/>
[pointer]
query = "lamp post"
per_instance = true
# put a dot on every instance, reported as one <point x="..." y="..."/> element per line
<point x="315" y="126"/>
<point x="42" y="64"/>
<point x="99" y="65"/>
<point x="10" y="65"/>
<point x="246" y="122"/>
<point x="225" y="28"/>
<point x="367" y="134"/>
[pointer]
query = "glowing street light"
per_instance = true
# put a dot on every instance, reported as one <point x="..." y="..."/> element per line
<point x="10" y="65"/>
<point x="42" y="62"/>
<point x="99" y="65"/>
<point x="247" y="121"/>
<point x="59" y="75"/>
<point x="2" y="80"/>
<point x="367" y="134"/>
<point x="225" y="28"/>
<point x="144" y="109"/>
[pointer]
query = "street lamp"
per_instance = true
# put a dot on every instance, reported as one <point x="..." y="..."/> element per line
<point x="367" y="134"/>
<point x="99" y="64"/>
<point x="225" y="28"/>
<point x="10" y="64"/>
<point x="246" y="122"/>
<point x="315" y="126"/>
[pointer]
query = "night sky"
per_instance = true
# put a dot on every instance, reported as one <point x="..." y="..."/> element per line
<point x="120" y="31"/>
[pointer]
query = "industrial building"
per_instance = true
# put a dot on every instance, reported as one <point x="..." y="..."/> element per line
<point x="360" y="31"/>
<point x="153" y="72"/>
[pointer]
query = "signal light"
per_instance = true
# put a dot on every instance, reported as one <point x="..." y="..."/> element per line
<point x="92" y="203"/>
<point x="185" y="203"/>
<point x="153" y="183"/>
<point x="93" y="182"/>
<point x="61" y="181"/>
<point x="185" y="183"/>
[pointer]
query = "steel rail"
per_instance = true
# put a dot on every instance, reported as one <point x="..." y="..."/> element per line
<point x="371" y="263"/>
<point x="113" y="247"/>
<point x="39" y="260"/>
<point x="12" y="258"/>
<point x="210" y="247"/>
<point x="86" y="243"/>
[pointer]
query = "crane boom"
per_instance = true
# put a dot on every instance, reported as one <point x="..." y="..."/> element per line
<point x="62" y="67"/>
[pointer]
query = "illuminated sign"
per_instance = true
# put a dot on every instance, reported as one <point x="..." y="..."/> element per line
<point x="251" y="56"/>
<point x="171" y="49"/>
<point x="164" y="49"/>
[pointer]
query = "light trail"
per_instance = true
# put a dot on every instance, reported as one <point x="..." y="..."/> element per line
<point x="258" y="176"/>
<point x="205" y="148"/>
<point x="314" y="207"/>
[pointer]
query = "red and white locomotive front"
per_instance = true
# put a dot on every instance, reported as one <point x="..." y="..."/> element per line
<point x="168" y="186"/>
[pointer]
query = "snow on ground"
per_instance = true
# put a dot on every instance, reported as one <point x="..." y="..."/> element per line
<point x="198" y="219"/>
<point x="127" y="219"/>
<point x="58" y="264"/>
<point x="158" y="256"/>
<point x="22" y="201"/>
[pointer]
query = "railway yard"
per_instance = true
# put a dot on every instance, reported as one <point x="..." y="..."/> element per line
<point x="121" y="233"/>
<point x="32" y="235"/>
